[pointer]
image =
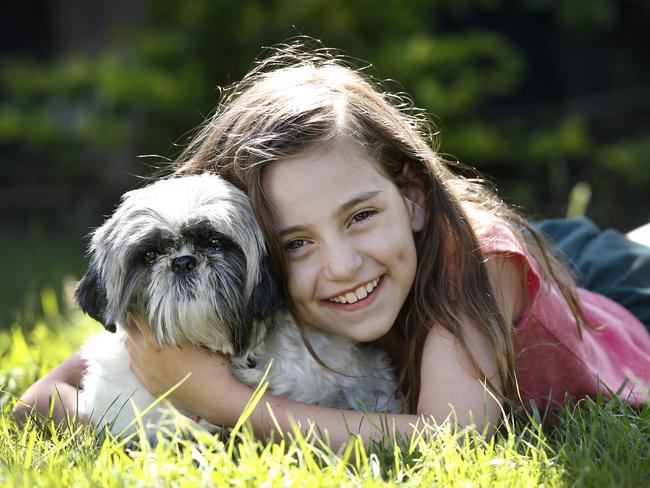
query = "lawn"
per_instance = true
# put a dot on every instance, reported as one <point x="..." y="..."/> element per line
<point x="596" y="444"/>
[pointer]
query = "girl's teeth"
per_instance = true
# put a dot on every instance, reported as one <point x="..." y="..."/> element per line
<point x="358" y="294"/>
<point x="361" y="292"/>
<point x="350" y="297"/>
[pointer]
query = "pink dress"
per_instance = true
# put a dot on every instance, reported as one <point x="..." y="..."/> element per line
<point x="552" y="361"/>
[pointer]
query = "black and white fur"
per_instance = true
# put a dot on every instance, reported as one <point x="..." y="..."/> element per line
<point x="188" y="255"/>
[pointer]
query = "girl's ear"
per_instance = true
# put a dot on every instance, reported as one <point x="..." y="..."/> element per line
<point x="414" y="197"/>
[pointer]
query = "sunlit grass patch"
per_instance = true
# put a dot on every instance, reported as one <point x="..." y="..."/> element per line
<point x="73" y="458"/>
<point x="598" y="442"/>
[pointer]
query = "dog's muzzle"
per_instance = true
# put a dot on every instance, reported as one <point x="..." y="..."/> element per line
<point x="183" y="265"/>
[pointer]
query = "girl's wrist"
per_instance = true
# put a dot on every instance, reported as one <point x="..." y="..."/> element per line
<point x="223" y="406"/>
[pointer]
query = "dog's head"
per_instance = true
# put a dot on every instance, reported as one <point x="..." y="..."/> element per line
<point x="189" y="256"/>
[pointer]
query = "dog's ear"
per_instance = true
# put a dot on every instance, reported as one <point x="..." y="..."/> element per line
<point x="267" y="296"/>
<point x="91" y="297"/>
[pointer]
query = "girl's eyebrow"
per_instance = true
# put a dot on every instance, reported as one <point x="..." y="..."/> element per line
<point x="356" y="201"/>
<point x="362" y="197"/>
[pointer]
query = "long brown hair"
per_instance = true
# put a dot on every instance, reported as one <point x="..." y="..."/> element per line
<point x="299" y="98"/>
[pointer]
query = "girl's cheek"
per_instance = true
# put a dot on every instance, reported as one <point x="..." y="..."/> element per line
<point x="393" y="239"/>
<point x="298" y="279"/>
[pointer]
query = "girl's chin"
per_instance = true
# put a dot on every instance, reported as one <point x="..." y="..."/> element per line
<point x="371" y="334"/>
<point x="368" y="330"/>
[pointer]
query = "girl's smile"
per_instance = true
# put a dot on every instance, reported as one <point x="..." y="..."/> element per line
<point x="358" y="294"/>
<point x="348" y="234"/>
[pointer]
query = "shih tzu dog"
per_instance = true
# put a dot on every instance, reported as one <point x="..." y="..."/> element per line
<point x="188" y="256"/>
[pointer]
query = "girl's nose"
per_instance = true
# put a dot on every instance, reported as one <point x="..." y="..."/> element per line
<point x="342" y="262"/>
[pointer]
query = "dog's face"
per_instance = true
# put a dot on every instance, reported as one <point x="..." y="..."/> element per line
<point x="189" y="256"/>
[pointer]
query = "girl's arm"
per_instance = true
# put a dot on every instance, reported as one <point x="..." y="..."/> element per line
<point x="212" y="393"/>
<point x="448" y="378"/>
<point x="449" y="382"/>
<point x="61" y="382"/>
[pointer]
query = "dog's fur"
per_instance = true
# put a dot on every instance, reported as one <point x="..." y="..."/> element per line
<point x="187" y="254"/>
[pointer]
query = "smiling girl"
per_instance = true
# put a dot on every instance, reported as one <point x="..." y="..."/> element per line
<point x="376" y="238"/>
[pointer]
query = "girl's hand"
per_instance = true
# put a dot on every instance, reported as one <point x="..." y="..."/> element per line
<point x="60" y="383"/>
<point x="160" y="369"/>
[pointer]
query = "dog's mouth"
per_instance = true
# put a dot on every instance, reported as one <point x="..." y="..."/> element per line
<point x="186" y="287"/>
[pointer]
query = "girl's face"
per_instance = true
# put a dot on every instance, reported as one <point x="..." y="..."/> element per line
<point x="348" y="234"/>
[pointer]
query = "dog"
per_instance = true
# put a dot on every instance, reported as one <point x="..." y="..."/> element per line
<point x="188" y="255"/>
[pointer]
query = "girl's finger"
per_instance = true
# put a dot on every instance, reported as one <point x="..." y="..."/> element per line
<point x="138" y="323"/>
<point x="128" y="345"/>
<point x="133" y="363"/>
<point x="140" y="332"/>
<point x="134" y="336"/>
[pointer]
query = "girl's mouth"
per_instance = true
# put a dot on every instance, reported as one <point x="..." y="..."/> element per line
<point x="360" y="295"/>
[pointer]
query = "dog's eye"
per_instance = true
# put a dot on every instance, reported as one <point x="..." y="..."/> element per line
<point x="149" y="257"/>
<point x="215" y="243"/>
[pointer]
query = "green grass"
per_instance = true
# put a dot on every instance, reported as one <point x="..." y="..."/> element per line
<point x="598" y="444"/>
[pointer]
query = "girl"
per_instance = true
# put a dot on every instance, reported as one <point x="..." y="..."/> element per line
<point x="376" y="238"/>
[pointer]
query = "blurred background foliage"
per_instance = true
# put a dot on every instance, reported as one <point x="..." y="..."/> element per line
<point x="537" y="94"/>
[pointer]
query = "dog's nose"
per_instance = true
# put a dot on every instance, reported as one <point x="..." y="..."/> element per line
<point x="183" y="264"/>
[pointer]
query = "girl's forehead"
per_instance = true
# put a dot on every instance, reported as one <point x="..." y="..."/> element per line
<point x="325" y="168"/>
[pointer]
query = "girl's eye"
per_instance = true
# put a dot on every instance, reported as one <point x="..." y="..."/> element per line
<point x="295" y="244"/>
<point x="362" y="216"/>
<point x="149" y="257"/>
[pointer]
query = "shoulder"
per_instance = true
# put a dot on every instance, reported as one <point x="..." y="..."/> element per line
<point x="514" y="273"/>
<point x="495" y="234"/>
